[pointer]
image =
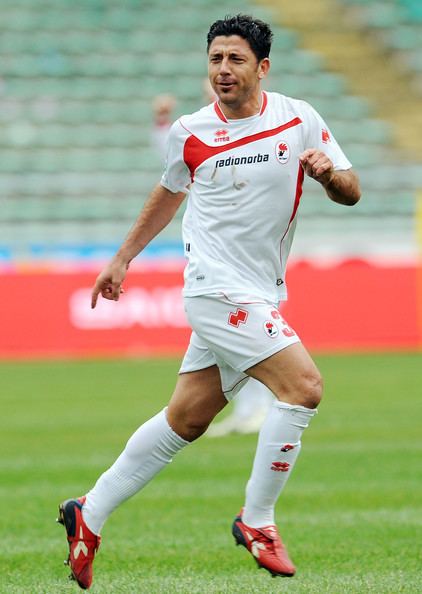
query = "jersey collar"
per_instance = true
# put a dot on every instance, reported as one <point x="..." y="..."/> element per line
<point x="222" y="117"/>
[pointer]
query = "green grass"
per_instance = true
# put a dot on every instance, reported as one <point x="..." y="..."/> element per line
<point x="351" y="514"/>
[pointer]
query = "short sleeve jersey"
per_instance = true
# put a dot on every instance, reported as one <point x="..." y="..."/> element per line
<point x="245" y="184"/>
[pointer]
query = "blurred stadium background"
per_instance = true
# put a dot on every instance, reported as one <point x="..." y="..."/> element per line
<point x="77" y="83"/>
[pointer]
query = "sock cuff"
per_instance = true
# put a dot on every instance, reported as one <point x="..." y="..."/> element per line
<point x="179" y="441"/>
<point x="311" y="412"/>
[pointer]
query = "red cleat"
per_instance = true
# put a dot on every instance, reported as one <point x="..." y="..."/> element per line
<point x="266" y="547"/>
<point x="83" y="544"/>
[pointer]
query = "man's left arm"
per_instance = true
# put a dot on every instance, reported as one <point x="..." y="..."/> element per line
<point x="341" y="186"/>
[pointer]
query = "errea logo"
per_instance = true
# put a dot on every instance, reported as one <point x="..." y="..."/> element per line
<point x="221" y="135"/>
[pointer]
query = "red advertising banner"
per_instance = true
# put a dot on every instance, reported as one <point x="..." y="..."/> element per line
<point x="50" y="314"/>
<point x="354" y="305"/>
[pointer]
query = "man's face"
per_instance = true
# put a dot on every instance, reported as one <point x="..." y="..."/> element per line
<point x="234" y="70"/>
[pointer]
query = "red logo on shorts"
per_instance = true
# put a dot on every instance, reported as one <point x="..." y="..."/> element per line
<point x="280" y="466"/>
<point x="239" y="317"/>
<point x="270" y="329"/>
<point x="325" y="136"/>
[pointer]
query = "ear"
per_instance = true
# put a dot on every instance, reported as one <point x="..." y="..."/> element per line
<point x="263" y="68"/>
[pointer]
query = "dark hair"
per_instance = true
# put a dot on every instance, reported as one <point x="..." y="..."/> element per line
<point x="257" y="33"/>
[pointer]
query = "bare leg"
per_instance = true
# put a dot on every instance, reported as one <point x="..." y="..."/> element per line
<point x="196" y="400"/>
<point x="291" y="375"/>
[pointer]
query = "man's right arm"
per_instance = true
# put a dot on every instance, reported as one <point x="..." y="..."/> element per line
<point x="156" y="214"/>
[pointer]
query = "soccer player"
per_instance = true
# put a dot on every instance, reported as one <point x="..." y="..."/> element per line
<point x="244" y="158"/>
<point x="251" y="405"/>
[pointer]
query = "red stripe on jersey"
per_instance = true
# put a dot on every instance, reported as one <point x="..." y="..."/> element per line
<point x="264" y="102"/>
<point x="195" y="152"/>
<point x="298" y="195"/>
<point x="219" y="112"/>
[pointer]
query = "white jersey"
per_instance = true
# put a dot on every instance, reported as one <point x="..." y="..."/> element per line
<point x="246" y="184"/>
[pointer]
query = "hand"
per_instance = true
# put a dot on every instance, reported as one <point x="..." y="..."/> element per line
<point x="109" y="281"/>
<point x="317" y="165"/>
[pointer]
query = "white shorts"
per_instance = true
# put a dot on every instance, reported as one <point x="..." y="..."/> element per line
<point x="234" y="336"/>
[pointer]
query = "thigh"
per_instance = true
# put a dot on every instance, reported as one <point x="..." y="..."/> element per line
<point x="291" y="375"/>
<point x="198" y="397"/>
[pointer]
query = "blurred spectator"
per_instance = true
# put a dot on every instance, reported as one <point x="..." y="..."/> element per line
<point x="163" y="107"/>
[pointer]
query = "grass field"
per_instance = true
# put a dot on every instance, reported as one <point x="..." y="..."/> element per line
<point x="351" y="514"/>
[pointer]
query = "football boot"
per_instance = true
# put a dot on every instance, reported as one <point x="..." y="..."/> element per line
<point x="265" y="546"/>
<point x="83" y="544"/>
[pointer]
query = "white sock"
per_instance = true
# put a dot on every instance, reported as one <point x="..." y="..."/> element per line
<point x="276" y="453"/>
<point x="148" y="451"/>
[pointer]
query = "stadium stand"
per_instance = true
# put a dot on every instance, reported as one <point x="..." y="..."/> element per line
<point x="77" y="80"/>
<point x="397" y="26"/>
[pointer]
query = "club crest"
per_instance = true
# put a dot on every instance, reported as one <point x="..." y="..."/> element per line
<point x="270" y="329"/>
<point x="282" y="152"/>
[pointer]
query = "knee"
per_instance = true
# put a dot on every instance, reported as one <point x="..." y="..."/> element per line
<point x="193" y="428"/>
<point x="305" y="389"/>
<point x="188" y="426"/>
<point x="310" y="388"/>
